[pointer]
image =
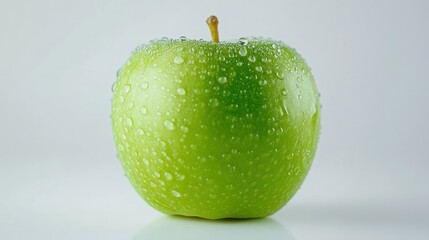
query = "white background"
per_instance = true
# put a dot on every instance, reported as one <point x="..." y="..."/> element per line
<point x="59" y="178"/>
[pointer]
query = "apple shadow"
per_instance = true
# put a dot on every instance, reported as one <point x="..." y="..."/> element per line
<point x="175" y="227"/>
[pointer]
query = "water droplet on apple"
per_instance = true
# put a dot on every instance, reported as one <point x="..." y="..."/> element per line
<point x="214" y="102"/>
<point x="259" y="68"/>
<point x="113" y="87"/>
<point x="130" y="105"/>
<point x="202" y="60"/>
<point x="176" y="193"/>
<point x="156" y="175"/>
<point x="168" y="176"/>
<point x="129" y="122"/>
<point x="263" y="82"/>
<point x="121" y="99"/>
<point x="242" y="51"/>
<point x="127" y="88"/>
<point x="178" y="60"/>
<point x="231" y="54"/>
<point x="222" y="58"/>
<point x="314" y="115"/>
<point x="143" y="110"/>
<point x="183" y="38"/>
<point x="145" y="85"/>
<point x="181" y="91"/>
<point x="299" y="96"/>
<point x="285" y="108"/>
<point x="243" y="41"/>
<point x="118" y="72"/>
<point x="184" y="129"/>
<point x="313" y="109"/>
<point x="145" y="161"/>
<point x="222" y="80"/>
<point x="252" y="58"/>
<point x="120" y="147"/>
<point x="180" y="177"/>
<point x="284" y="92"/>
<point x="169" y="125"/>
<point x="140" y="131"/>
<point x="280" y="75"/>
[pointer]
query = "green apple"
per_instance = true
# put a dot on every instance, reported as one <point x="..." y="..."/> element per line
<point x="216" y="130"/>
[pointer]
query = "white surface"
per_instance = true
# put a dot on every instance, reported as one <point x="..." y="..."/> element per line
<point x="59" y="178"/>
<point x="78" y="202"/>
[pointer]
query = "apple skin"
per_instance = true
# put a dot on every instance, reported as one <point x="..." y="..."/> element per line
<point x="225" y="130"/>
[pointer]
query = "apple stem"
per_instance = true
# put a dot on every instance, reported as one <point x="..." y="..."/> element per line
<point x="213" y="22"/>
